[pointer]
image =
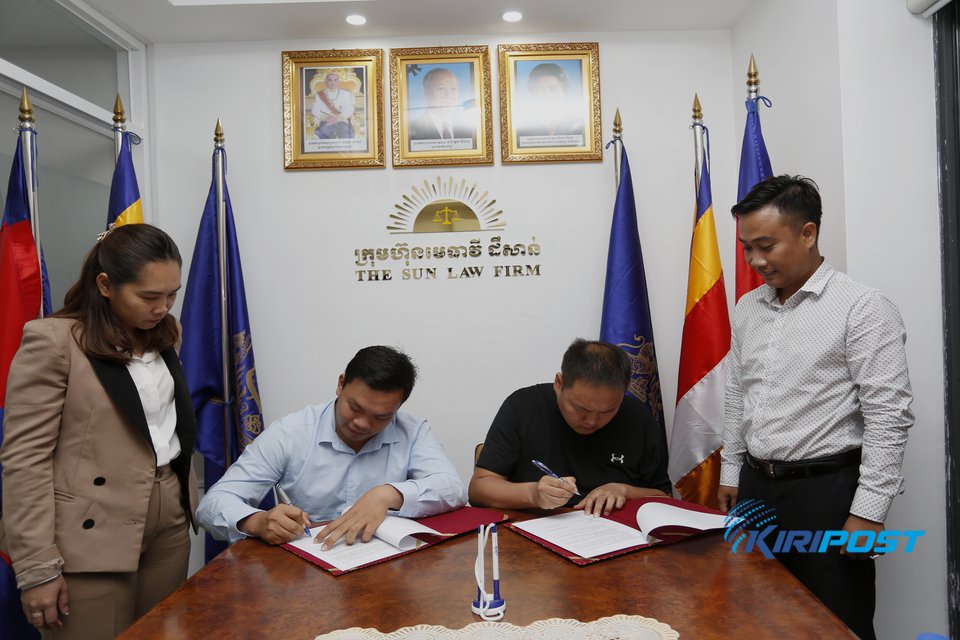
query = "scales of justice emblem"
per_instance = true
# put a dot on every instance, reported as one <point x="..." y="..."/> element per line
<point x="441" y="206"/>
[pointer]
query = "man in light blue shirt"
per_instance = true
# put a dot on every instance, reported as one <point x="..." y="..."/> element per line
<point x="357" y="450"/>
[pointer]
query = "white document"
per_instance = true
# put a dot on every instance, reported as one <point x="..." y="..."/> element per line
<point x="583" y="535"/>
<point x="654" y="515"/>
<point x="393" y="536"/>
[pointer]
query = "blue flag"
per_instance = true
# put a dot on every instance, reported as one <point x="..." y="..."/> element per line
<point x="754" y="167"/>
<point x="125" y="207"/>
<point x="222" y="431"/>
<point x="625" y="321"/>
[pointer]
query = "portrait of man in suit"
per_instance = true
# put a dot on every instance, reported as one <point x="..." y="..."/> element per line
<point x="442" y="113"/>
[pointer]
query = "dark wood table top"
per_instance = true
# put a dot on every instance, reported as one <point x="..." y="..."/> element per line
<point x="698" y="587"/>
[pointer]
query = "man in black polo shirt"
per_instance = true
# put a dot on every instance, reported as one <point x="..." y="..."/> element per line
<point x="605" y="446"/>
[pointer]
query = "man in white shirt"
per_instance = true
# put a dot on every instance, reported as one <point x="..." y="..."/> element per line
<point x="357" y="450"/>
<point x="818" y="396"/>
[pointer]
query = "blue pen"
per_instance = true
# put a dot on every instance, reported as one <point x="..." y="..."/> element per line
<point x="285" y="499"/>
<point x="546" y="470"/>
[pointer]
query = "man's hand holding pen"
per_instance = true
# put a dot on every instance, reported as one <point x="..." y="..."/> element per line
<point x="550" y="492"/>
<point x="283" y="523"/>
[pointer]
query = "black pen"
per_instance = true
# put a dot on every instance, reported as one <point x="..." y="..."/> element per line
<point x="285" y="499"/>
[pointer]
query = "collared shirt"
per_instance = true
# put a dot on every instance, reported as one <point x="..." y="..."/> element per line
<point x="820" y="374"/>
<point x="323" y="475"/>
<point x="155" y="385"/>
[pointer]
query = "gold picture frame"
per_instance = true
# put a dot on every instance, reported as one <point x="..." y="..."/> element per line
<point x="550" y="102"/>
<point x="332" y="108"/>
<point x="440" y="106"/>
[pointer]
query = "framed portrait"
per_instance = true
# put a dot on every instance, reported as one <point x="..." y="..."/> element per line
<point x="332" y="108"/>
<point x="440" y="106"/>
<point x="550" y="102"/>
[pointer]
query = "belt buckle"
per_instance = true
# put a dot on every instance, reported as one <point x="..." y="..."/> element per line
<point x="768" y="469"/>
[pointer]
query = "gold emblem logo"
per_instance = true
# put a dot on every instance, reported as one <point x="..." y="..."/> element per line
<point x="445" y="205"/>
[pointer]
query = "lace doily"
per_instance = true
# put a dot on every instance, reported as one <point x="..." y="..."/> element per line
<point x="619" y="627"/>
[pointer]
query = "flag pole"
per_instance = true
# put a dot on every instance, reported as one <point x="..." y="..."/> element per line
<point x="119" y="126"/>
<point x="697" y="127"/>
<point x="27" y="129"/>
<point x="617" y="148"/>
<point x="219" y="171"/>
<point x="753" y="79"/>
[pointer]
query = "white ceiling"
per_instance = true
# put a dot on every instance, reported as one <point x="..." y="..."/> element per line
<point x="181" y="21"/>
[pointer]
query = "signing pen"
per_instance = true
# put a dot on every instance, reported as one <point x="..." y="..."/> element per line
<point x="546" y="470"/>
<point x="285" y="499"/>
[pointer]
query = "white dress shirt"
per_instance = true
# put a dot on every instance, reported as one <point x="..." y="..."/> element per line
<point x="823" y="373"/>
<point x="155" y="386"/>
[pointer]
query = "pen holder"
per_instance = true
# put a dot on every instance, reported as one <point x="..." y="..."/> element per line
<point x="489" y="606"/>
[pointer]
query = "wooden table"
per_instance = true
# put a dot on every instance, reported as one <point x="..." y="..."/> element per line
<point x="698" y="587"/>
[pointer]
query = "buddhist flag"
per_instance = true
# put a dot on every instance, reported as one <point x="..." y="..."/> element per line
<point x="698" y="421"/>
<point x="125" y="205"/>
<point x="754" y="167"/>
<point x="23" y="288"/>
<point x="222" y="431"/>
<point x="625" y="320"/>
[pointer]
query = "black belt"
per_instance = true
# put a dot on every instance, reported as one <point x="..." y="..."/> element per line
<point x="776" y="470"/>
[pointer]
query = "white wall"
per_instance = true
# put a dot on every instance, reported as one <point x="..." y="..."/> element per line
<point x="475" y="341"/>
<point x="893" y="242"/>
<point x="795" y="45"/>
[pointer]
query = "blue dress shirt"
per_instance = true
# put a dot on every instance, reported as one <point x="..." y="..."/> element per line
<point x="323" y="475"/>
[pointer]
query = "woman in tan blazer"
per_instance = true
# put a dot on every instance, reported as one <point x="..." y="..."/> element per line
<point x="98" y="492"/>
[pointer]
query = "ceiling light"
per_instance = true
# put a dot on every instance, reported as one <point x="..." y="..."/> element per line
<point x="356" y="20"/>
<point x="513" y="16"/>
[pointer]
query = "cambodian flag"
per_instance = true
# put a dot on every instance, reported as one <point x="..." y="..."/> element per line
<point x="23" y="288"/>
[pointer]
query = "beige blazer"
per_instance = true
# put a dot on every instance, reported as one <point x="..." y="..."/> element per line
<point x="78" y="460"/>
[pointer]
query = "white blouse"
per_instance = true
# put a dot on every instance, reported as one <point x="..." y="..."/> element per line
<point x="155" y="386"/>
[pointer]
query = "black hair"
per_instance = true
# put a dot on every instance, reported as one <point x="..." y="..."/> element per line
<point x="794" y="196"/>
<point x="549" y="69"/>
<point x="383" y="369"/>
<point x="121" y="253"/>
<point x="596" y="363"/>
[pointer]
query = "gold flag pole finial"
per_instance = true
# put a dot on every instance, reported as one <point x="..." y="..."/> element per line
<point x="753" y="78"/>
<point x="119" y="127"/>
<point x="26" y="109"/>
<point x="218" y="133"/>
<point x="617" y="148"/>
<point x="118" y="115"/>
<point x="698" y="150"/>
